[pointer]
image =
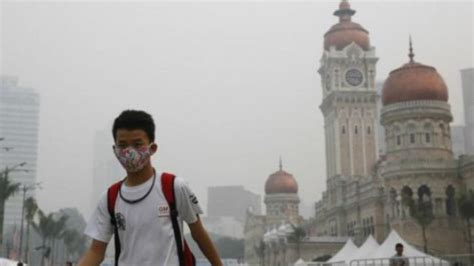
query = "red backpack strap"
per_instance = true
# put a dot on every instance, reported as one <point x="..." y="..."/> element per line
<point x="112" y="194"/>
<point x="186" y="258"/>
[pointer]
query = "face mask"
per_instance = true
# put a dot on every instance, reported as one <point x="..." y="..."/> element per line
<point x="133" y="159"/>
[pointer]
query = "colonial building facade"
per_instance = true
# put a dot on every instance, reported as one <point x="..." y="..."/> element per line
<point x="369" y="193"/>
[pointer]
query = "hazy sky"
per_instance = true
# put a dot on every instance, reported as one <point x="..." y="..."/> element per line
<point x="232" y="85"/>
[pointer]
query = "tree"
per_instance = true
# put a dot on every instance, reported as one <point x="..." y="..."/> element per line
<point x="466" y="210"/>
<point x="74" y="242"/>
<point x="44" y="227"/>
<point x="58" y="228"/>
<point x="229" y="247"/>
<point x="31" y="208"/>
<point x="260" y="251"/>
<point x="7" y="189"/>
<point x="422" y="212"/>
<point x="297" y="237"/>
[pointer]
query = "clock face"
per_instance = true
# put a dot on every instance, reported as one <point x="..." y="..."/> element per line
<point x="354" y="77"/>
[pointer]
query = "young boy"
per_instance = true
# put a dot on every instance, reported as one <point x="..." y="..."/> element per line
<point x="146" y="234"/>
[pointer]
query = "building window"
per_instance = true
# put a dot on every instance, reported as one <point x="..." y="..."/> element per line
<point x="399" y="140"/>
<point x="450" y="201"/>
<point x="412" y="138"/>
<point x="356" y="130"/>
<point x="343" y="130"/>
<point x="427" y="137"/>
<point x="368" y="130"/>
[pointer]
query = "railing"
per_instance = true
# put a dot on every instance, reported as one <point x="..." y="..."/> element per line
<point x="448" y="260"/>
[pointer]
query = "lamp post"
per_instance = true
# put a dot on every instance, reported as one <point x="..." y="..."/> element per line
<point x="25" y="189"/>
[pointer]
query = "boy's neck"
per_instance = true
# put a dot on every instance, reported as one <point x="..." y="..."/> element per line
<point x="140" y="177"/>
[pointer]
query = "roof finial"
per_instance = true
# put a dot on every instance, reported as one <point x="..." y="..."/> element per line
<point x="281" y="164"/>
<point x="344" y="12"/>
<point x="411" y="54"/>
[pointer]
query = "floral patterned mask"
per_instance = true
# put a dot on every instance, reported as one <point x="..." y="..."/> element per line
<point x="133" y="159"/>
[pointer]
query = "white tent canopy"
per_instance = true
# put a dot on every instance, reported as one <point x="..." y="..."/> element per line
<point x="369" y="246"/>
<point x="300" y="262"/>
<point x="345" y="253"/>
<point x="7" y="262"/>
<point x="387" y="250"/>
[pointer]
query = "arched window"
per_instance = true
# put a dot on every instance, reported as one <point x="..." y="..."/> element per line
<point x="424" y="193"/>
<point x="356" y="130"/>
<point x="411" y="132"/>
<point x="343" y="129"/>
<point x="450" y="201"/>
<point x="428" y="128"/>
<point x="368" y="130"/>
<point x="407" y="198"/>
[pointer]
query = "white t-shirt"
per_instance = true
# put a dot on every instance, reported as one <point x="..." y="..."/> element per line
<point x="145" y="228"/>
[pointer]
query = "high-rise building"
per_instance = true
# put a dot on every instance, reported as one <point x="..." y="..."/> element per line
<point x="457" y="138"/>
<point x="232" y="201"/>
<point x="467" y="78"/>
<point x="106" y="168"/>
<point x="19" y="123"/>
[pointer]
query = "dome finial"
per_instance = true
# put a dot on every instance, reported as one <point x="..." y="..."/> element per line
<point x="411" y="54"/>
<point x="344" y="12"/>
<point x="281" y="164"/>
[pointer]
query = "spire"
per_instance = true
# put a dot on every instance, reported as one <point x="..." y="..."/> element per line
<point x="344" y="12"/>
<point x="281" y="164"/>
<point x="411" y="54"/>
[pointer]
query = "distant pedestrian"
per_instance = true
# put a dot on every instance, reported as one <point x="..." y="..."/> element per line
<point x="398" y="259"/>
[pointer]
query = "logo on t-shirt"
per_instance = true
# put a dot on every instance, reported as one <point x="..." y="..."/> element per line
<point x="193" y="199"/>
<point x="163" y="210"/>
<point x="120" y="221"/>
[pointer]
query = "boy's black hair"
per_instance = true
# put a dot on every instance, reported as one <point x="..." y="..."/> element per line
<point x="134" y="119"/>
<point x="399" y="245"/>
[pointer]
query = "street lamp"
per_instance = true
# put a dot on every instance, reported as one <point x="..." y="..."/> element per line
<point x="25" y="189"/>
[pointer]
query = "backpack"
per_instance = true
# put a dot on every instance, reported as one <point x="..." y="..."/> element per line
<point x="186" y="258"/>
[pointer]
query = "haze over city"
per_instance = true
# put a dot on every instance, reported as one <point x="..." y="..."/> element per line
<point x="232" y="85"/>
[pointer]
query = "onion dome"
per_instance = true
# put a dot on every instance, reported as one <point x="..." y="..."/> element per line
<point x="281" y="182"/>
<point x="413" y="82"/>
<point x="346" y="32"/>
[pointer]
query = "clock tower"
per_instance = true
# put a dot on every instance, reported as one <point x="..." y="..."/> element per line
<point x="348" y="67"/>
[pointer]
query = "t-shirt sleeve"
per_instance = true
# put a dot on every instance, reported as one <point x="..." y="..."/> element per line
<point x="186" y="202"/>
<point x="99" y="226"/>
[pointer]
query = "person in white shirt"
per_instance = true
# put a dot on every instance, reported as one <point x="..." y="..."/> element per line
<point x="142" y="215"/>
<point x="398" y="259"/>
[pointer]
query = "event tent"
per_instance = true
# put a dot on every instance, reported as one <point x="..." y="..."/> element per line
<point x="387" y="250"/>
<point x="369" y="246"/>
<point x="345" y="253"/>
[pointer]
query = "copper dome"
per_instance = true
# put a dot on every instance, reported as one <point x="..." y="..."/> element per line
<point x="414" y="81"/>
<point x="346" y="32"/>
<point x="281" y="182"/>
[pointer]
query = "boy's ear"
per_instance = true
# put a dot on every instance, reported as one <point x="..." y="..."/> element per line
<point x="154" y="148"/>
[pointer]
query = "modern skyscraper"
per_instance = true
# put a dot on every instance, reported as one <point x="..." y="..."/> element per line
<point x="232" y="201"/>
<point x="19" y="123"/>
<point x="107" y="169"/>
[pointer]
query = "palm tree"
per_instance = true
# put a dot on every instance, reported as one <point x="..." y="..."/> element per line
<point x="31" y="208"/>
<point x="466" y="209"/>
<point x="75" y="243"/>
<point x="260" y="252"/>
<point x="44" y="228"/>
<point x="297" y="237"/>
<point x="58" y="228"/>
<point x="422" y="212"/>
<point x="7" y="189"/>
